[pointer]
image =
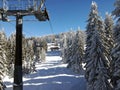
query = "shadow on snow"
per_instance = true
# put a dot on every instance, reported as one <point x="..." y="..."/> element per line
<point x="53" y="53"/>
<point x="52" y="76"/>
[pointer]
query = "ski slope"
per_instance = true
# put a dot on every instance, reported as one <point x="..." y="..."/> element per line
<point x="51" y="75"/>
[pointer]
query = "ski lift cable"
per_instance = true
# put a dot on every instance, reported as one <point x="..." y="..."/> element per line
<point x="50" y="23"/>
<point x="51" y="27"/>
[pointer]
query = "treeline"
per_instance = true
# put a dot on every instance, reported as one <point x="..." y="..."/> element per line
<point x="73" y="49"/>
<point x="100" y="52"/>
<point x="98" y="48"/>
<point x="33" y="51"/>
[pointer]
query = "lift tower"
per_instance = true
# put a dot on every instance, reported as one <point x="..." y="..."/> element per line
<point x="19" y="9"/>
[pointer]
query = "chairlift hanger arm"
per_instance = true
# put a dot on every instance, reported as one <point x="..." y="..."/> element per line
<point x="41" y="13"/>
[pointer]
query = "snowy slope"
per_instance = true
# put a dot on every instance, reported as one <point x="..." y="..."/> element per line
<point x="52" y="75"/>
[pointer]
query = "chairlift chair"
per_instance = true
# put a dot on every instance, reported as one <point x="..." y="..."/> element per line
<point x="42" y="15"/>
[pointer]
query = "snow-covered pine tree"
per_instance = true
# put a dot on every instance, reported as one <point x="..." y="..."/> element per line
<point x="70" y="38"/>
<point x="11" y="54"/>
<point x="97" y="63"/>
<point x="26" y="56"/>
<point x="29" y="57"/>
<point x="116" y="49"/>
<point x="43" y="49"/>
<point x="67" y="50"/>
<point x="37" y="50"/>
<point x="109" y="33"/>
<point x="76" y="60"/>
<point x="64" y="48"/>
<point x="103" y="61"/>
<point x="3" y="57"/>
<point x="108" y="40"/>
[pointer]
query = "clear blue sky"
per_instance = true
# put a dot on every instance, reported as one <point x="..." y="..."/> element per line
<point x="64" y="15"/>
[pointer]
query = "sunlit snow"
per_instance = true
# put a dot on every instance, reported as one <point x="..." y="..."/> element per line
<point x="51" y="75"/>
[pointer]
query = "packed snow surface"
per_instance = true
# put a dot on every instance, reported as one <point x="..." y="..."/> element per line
<point x="51" y="75"/>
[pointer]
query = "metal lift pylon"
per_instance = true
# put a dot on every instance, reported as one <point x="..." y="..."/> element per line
<point x="19" y="9"/>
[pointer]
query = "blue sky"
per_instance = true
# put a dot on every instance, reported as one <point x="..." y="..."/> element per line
<point x="64" y="15"/>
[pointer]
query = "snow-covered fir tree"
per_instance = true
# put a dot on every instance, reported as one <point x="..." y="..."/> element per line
<point x="97" y="64"/>
<point x="27" y="57"/>
<point x="28" y="62"/>
<point x="24" y="55"/>
<point x="109" y="32"/>
<point x="77" y="47"/>
<point x="43" y="49"/>
<point x="116" y="49"/>
<point x="108" y="40"/>
<point x="3" y="57"/>
<point x="42" y="54"/>
<point x="11" y="54"/>
<point x="34" y="51"/>
<point x="64" y="48"/>
<point x="67" y="49"/>
<point x="30" y="58"/>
